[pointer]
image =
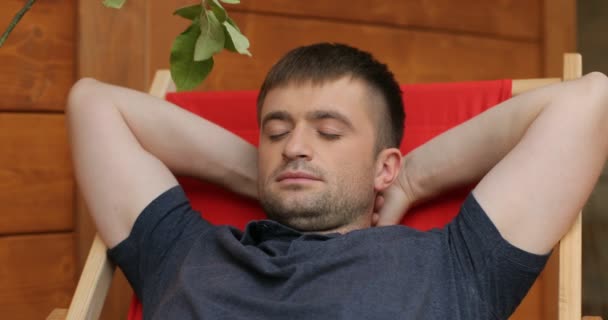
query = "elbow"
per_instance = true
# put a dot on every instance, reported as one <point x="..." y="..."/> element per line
<point x="596" y="87"/>
<point x="590" y="91"/>
<point x="81" y="95"/>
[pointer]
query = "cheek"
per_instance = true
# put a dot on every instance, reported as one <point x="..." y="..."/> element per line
<point x="354" y="165"/>
<point x="267" y="161"/>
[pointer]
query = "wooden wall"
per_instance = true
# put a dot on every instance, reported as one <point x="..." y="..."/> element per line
<point x="435" y="40"/>
<point x="37" y="243"/>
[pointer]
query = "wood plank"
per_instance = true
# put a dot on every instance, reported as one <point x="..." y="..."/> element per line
<point x="117" y="54"/>
<point x="95" y="279"/>
<point x="559" y="34"/>
<point x="36" y="183"/>
<point x="511" y="19"/>
<point x="570" y="246"/>
<point x="532" y="305"/>
<point x="36" y="274"/>
<point x="37" y="62"/>
<point x="58" y="314"/>
<point x="413" y="56"/>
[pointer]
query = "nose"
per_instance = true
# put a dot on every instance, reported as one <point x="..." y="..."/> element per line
<point x="297" y="146"/>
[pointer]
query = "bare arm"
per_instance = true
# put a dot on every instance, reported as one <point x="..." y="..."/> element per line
<point x="539" y="154"/>
<point x="126" y="146"/>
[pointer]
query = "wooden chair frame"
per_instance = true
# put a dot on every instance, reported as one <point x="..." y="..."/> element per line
<point x="96" y="276"/>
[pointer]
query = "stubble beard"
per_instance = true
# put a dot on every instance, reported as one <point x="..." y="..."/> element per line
<point x="309" y="210"/>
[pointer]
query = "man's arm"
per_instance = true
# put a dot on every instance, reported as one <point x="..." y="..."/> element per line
<point x="539" y="154"/>
<point x="126" y="146"/>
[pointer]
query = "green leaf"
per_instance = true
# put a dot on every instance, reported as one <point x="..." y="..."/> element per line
<point x="189" y="12"/>
<point x="231" y="1"/>
<point x="187" y="73"/>
<point x="235" y="40"/>
<point x="211" y="39"/>
<point x="116" y="4"/>
<point x="232" y="23"/>
<point x="219" y="11"/>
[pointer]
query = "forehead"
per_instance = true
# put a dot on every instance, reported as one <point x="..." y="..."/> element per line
<point x="349" y="96"/>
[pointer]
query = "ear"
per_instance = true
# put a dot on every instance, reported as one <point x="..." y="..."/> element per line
<point x="388" y="165"/>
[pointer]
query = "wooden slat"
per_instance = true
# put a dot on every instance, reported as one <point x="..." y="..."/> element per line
<point x="57" y="314"/>
<point x="517" y="19"/>
<point x="413" y="56"/>
<point x="570" y="273"/>
<point x="523" y="85"/>
<point x="93" y="285"/>
<point x="162" y="84"/>
<point x="570" y="247"/>
<point x="36" y="183"/>
<point x="36" y="275"/>
<point x="37" y="62"/>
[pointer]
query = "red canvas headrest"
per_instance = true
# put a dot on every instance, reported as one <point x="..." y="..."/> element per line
<point x="431" y="109"/>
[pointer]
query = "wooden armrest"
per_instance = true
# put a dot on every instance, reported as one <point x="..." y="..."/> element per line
<point x="58" y="314"/>
<point x="592" y="318"/>
<point x="93" y="285"/>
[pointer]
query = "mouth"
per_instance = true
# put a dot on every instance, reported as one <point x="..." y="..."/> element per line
<point x="297" y="177"/>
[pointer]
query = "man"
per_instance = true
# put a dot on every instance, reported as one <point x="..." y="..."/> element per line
<point x="329" y="175"/>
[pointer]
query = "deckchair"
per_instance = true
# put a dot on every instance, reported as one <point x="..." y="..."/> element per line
<point x="96" y="277"/>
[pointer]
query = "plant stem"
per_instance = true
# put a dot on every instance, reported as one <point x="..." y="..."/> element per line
<point x="16" y="20"/>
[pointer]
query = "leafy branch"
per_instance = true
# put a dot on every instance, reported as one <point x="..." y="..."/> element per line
<point x="16" y="20"/>
<point x="192" y="52"/>
<point x="211" y="31"/>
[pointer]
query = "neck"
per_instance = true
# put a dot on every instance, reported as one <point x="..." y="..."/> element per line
<point x="363" y="222"/>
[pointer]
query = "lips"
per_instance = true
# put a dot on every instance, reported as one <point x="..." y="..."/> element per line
<point x="297" y="175"/>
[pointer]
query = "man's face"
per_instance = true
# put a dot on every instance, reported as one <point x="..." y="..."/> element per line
<point x="316" y="154"/>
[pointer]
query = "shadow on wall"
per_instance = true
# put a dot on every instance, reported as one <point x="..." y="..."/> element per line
<point x="592" y="38"/>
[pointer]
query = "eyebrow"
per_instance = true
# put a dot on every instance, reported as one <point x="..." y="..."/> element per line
<point x="324" y="114"/>
<point x="313" y="116"/>
<point x="276" y="115"/>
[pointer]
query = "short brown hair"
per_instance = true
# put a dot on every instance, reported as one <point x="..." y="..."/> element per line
<point x="328" y="61"/>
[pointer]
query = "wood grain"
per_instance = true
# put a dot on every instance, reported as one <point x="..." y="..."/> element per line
<point x="570" y="246"/>
<point x="37" y="61"/>
<point x="510" y="19"/>
<point x="36" y="183"/>
<point x="559" y="34"/>
<point x="111" y="42"/>
<point x="36" y="275"/>
<point x="96" y="277"/>
<point x="57" y="314"/>
<point x="531" y="306"/>
<point x="413" y="56"/>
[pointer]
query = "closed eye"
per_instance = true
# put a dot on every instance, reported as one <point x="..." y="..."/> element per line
<point x="276" y="137"/>
<point x="329" y="136"/>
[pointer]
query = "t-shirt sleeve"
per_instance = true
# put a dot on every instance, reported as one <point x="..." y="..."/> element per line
<point x="160" y="238"/>
<point x="499" y="273"/>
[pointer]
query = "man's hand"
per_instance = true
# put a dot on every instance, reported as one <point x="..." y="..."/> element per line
<point x="393" y="203"/>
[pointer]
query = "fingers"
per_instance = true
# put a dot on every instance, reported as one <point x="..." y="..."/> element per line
<point x="378" y="204"/>
<point x="375" y="219"/>
<point x="392" y="209"/>
<point x="389" y="207"/>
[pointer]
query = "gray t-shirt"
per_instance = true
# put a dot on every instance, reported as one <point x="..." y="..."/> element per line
<point x="182" y="267"/>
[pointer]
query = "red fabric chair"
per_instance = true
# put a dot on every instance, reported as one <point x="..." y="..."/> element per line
<point x="431" y="109"/>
